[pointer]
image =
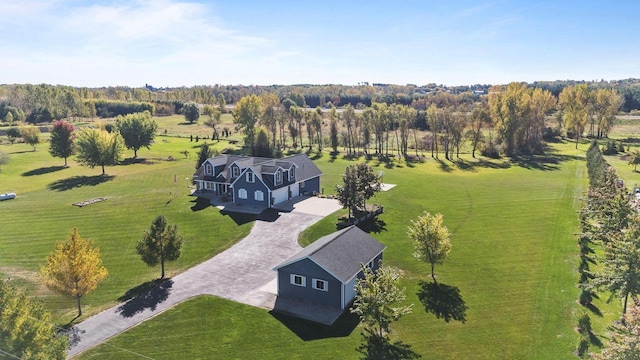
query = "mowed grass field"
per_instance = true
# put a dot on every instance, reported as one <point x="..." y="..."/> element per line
<point x="136" y="193"/>
<point x="514" y="262"/>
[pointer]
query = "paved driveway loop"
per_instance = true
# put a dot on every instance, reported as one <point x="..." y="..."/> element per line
<point x="240" y="273"/>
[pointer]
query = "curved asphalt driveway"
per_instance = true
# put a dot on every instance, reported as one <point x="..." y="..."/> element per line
<point x="242" y="273"/>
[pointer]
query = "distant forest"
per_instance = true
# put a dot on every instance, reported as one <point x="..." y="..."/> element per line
<point x="44" y="103"/>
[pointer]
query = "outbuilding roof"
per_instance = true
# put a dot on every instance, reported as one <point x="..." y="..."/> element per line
<point x="340" y="253"/>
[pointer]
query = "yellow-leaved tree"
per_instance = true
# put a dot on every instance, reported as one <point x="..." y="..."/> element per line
<point x="75" y="268"/>
<point x="431" y="239"/>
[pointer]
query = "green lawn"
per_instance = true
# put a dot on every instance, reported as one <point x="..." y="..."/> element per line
<point x="514" y="262"/>
<point x="136" y="193"/>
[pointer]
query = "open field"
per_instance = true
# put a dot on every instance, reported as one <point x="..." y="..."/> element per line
<point x="136" y="192"/>
<point x="513" y="261"/>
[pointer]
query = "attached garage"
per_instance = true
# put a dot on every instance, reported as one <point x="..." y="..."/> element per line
<point x="280" y="195"/>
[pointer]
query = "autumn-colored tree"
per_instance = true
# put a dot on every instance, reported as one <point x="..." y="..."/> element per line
<point x="270" y="114"/>
<point x="75" y="268"/>
<point x="161" y="243"/>
<point x="430" y="239"/>
<point x="246" y="115"/>
<point x="26" y="328"/>
<point x="635" y="159"/>
<point x="62" y="138"/>
<point x="30" y="135"/>
<point x="96" y="147"/>
<point x="574" y="104"/>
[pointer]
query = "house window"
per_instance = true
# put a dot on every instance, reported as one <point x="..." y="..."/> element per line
<point x="250" y="177"/>
<point x="278" y="177"/>
<point x="259" y="195"/>
<point x="208" y="185"/>
<point x="242" y="194"/>
<point x="208" y="169"/>
<point x="321" y="285"/>
<point x="235" y="171"/>
<point x="292" y="173"/>
<point x="298" y="280"/>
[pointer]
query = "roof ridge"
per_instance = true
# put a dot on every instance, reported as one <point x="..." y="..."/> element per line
<point x="342" y="232"/>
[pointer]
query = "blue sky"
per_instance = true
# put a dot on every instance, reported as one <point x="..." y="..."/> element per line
<point x="190" y="42"/>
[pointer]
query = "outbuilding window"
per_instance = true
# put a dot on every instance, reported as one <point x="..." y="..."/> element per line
<point x="321" y="285"/>
<point x="298" y="280"/>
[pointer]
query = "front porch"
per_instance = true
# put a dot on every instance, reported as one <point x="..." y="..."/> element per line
<point x="225" y="203"/>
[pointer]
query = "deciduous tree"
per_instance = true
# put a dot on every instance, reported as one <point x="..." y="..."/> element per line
<point x="26" y="328"/>
<point x="161" y="243"/>
<point x="62" y="138"/>
<point x="624" y="339"/>
<point x="191" y="112"/>
<point x="333" y="129"/>
<point x="4" y="158"/>
<point x="368" y="183"/>
<point x="348" y="194"/>
<point x="377" y="299"/>
<point x="246" y="115"/>
<point x="635" y="159"/>
<point x="430" y="239"/>
<point x="261" y="147"/>
<point x="137" y="130"/>
<point x="620" y="273"/>
<point x="96" y="147"/>
<point x="75" y="268"/>
<point x="30" y="135"/>
<point x="214" y="119"/>
<point x="574" y="104"/>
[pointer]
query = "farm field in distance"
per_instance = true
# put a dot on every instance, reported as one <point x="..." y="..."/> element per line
<point x="514" y="256"/>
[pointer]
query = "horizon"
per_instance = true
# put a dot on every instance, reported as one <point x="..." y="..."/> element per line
<point x="175" y="43"/>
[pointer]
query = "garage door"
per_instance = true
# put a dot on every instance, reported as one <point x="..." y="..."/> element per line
<point x="295" y="190"/>
<point x="280" y="195"/>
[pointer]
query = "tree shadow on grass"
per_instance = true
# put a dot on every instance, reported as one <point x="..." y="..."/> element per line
<point x="443" y="301"/>
<point x="79" y="181"/>
<point x="43" y="170"/>
<point x="307" y="330"/>
<point x="133" y="161"/>
<point x="444" y="166"/>
<point x="200" y="204"/>
<point x="145" y="296"/>
<point x="373" y="225"/>
<point x="375" y="347"/>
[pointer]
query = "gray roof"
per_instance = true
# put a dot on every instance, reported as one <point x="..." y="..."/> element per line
<point x="340" y="253"/>
<point x="305" y="168"/>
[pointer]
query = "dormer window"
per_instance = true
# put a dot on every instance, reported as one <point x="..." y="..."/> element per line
<point x="235" y="171"/>
<point x="278" y="177"/>
<point x="250" y="177"/>
<point x="292" y="173"/>
<point x="208" y="169"/>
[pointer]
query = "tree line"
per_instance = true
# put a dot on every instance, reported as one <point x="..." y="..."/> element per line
<point x="609" y="243"/>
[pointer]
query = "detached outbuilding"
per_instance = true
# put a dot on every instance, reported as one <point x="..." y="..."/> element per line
<point x="318" y="283"/>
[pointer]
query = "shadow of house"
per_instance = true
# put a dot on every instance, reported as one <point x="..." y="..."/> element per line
<point x="79" y="181"/>
<point x="200" y="204"/>
<point x="42" y="171"/>
<point x="307" y="330"/>
<point x="443" y="301"/>
<point x="145" y="296"/>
